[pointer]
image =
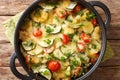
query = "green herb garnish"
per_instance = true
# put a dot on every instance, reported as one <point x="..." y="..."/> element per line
<point x="82" y="59"/>
<point x="62" y="59"/>
<point x="94" y="46"/>
<point x="45" y="72"/>
<point x="28" y="43"/>
<point x="57" y="18"/>
<point x="81" y="24"/>
<point x="68" y="54"/>
<point x="81" y="13"/>
<point x="91" y="16"/>
<point x="36" y="24"/>
<point x="49" y="29"/>
<point x="71" y="36"/>
<point x="69" y="19"/>
<point x="47" y="41"/>
<point x="74" y="63"/>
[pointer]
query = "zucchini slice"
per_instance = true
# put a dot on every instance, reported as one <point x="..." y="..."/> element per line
<point x="46" y="42"/>
<point x="94" y="47"/>
<point x="58" y="42"/>
<point x="88" y="27"/>
<point x="77" y="25"/>
<point x="53" y="28"/>
<point x="58" y="54"/>
<point x="72" y="6"/>
<point x="47" y="7"/>
<point x="69" y="49"/>
<point x="46" y="73"/>
<point x="96" y="33"/>
<point x="75" y="61"/>
<point x="36" y="51"/>
<point x="67" y="71"/>
<point x="28" y="45"/>
<point x="84" y="58"/>
<point x="66" y="29"/>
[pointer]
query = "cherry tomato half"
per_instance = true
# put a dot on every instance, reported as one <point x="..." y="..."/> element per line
<point x="27" y="58"/>
<point x="77" y="70"/>
<point x="94" y="58"/>
<point x="94" y="22"/>
<point x="86" y="38"/>
<point x="77" y="8"/>
<point x="96" y="55"/>
<point x="81" y="46"/>
<point x="37" y="32"/>
<point x="54" y="66"/>
<point x="65" y="39"/>
<point x="61" y="13"/>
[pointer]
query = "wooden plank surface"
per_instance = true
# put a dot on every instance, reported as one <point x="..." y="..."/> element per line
<point x="110" y="69"/>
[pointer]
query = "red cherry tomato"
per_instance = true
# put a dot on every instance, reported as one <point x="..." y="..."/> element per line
<point x="77" y="70"/>
<point x="77" y="8"/>
<point x="94" y="58"/>
<point x="27" y="58"/>
<point x="65" y="39"/>
<point x="81" y="46"/>
<point x="96" y="55"/>
<point x="94" y="22"/>
<point x="86" y="38"/>
<point x="54" y="66"/>
<point x="37" y="33"/>
<point x="70" y="12"/>
<point x="61" y="13"/>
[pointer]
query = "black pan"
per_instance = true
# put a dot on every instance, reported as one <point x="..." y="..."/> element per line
<point x="17" y="54"/>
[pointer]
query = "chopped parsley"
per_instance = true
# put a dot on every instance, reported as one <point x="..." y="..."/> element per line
<point x="91" y="16"/>
<point x="49" y="29"/>
<point x="62" y="59"/>
<point x="74" y="63"/>
<point x="56" y="18"/>
<point x="69" y="19"/>
<point x="81" y="24"/>
<point x="46" y="72"/>
<point x="81" y="13"/>
<point x="68" y="54"/>
<point x="82" y="59"/>
<point x="71" y="36"/>
<point x="36" y="24"/>
<point x="47" y="41"/>
<point x="94" y="46"/>
<point x="28" y="43"/>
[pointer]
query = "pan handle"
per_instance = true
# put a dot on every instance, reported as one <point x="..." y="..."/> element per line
<point x="15" y="71"/>
<point x="105" y="9"/>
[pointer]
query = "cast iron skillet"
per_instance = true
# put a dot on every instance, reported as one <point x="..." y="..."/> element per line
<point x="18" y="54"/>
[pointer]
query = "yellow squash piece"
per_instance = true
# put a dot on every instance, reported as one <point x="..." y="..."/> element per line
<point x="36" y="51"/>
<point x="88" y="27"/>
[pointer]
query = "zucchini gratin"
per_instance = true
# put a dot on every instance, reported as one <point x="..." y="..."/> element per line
<point x="60" y="40"/>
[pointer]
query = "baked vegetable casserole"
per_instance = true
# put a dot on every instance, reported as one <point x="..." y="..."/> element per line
<point x="60" y="40"/>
